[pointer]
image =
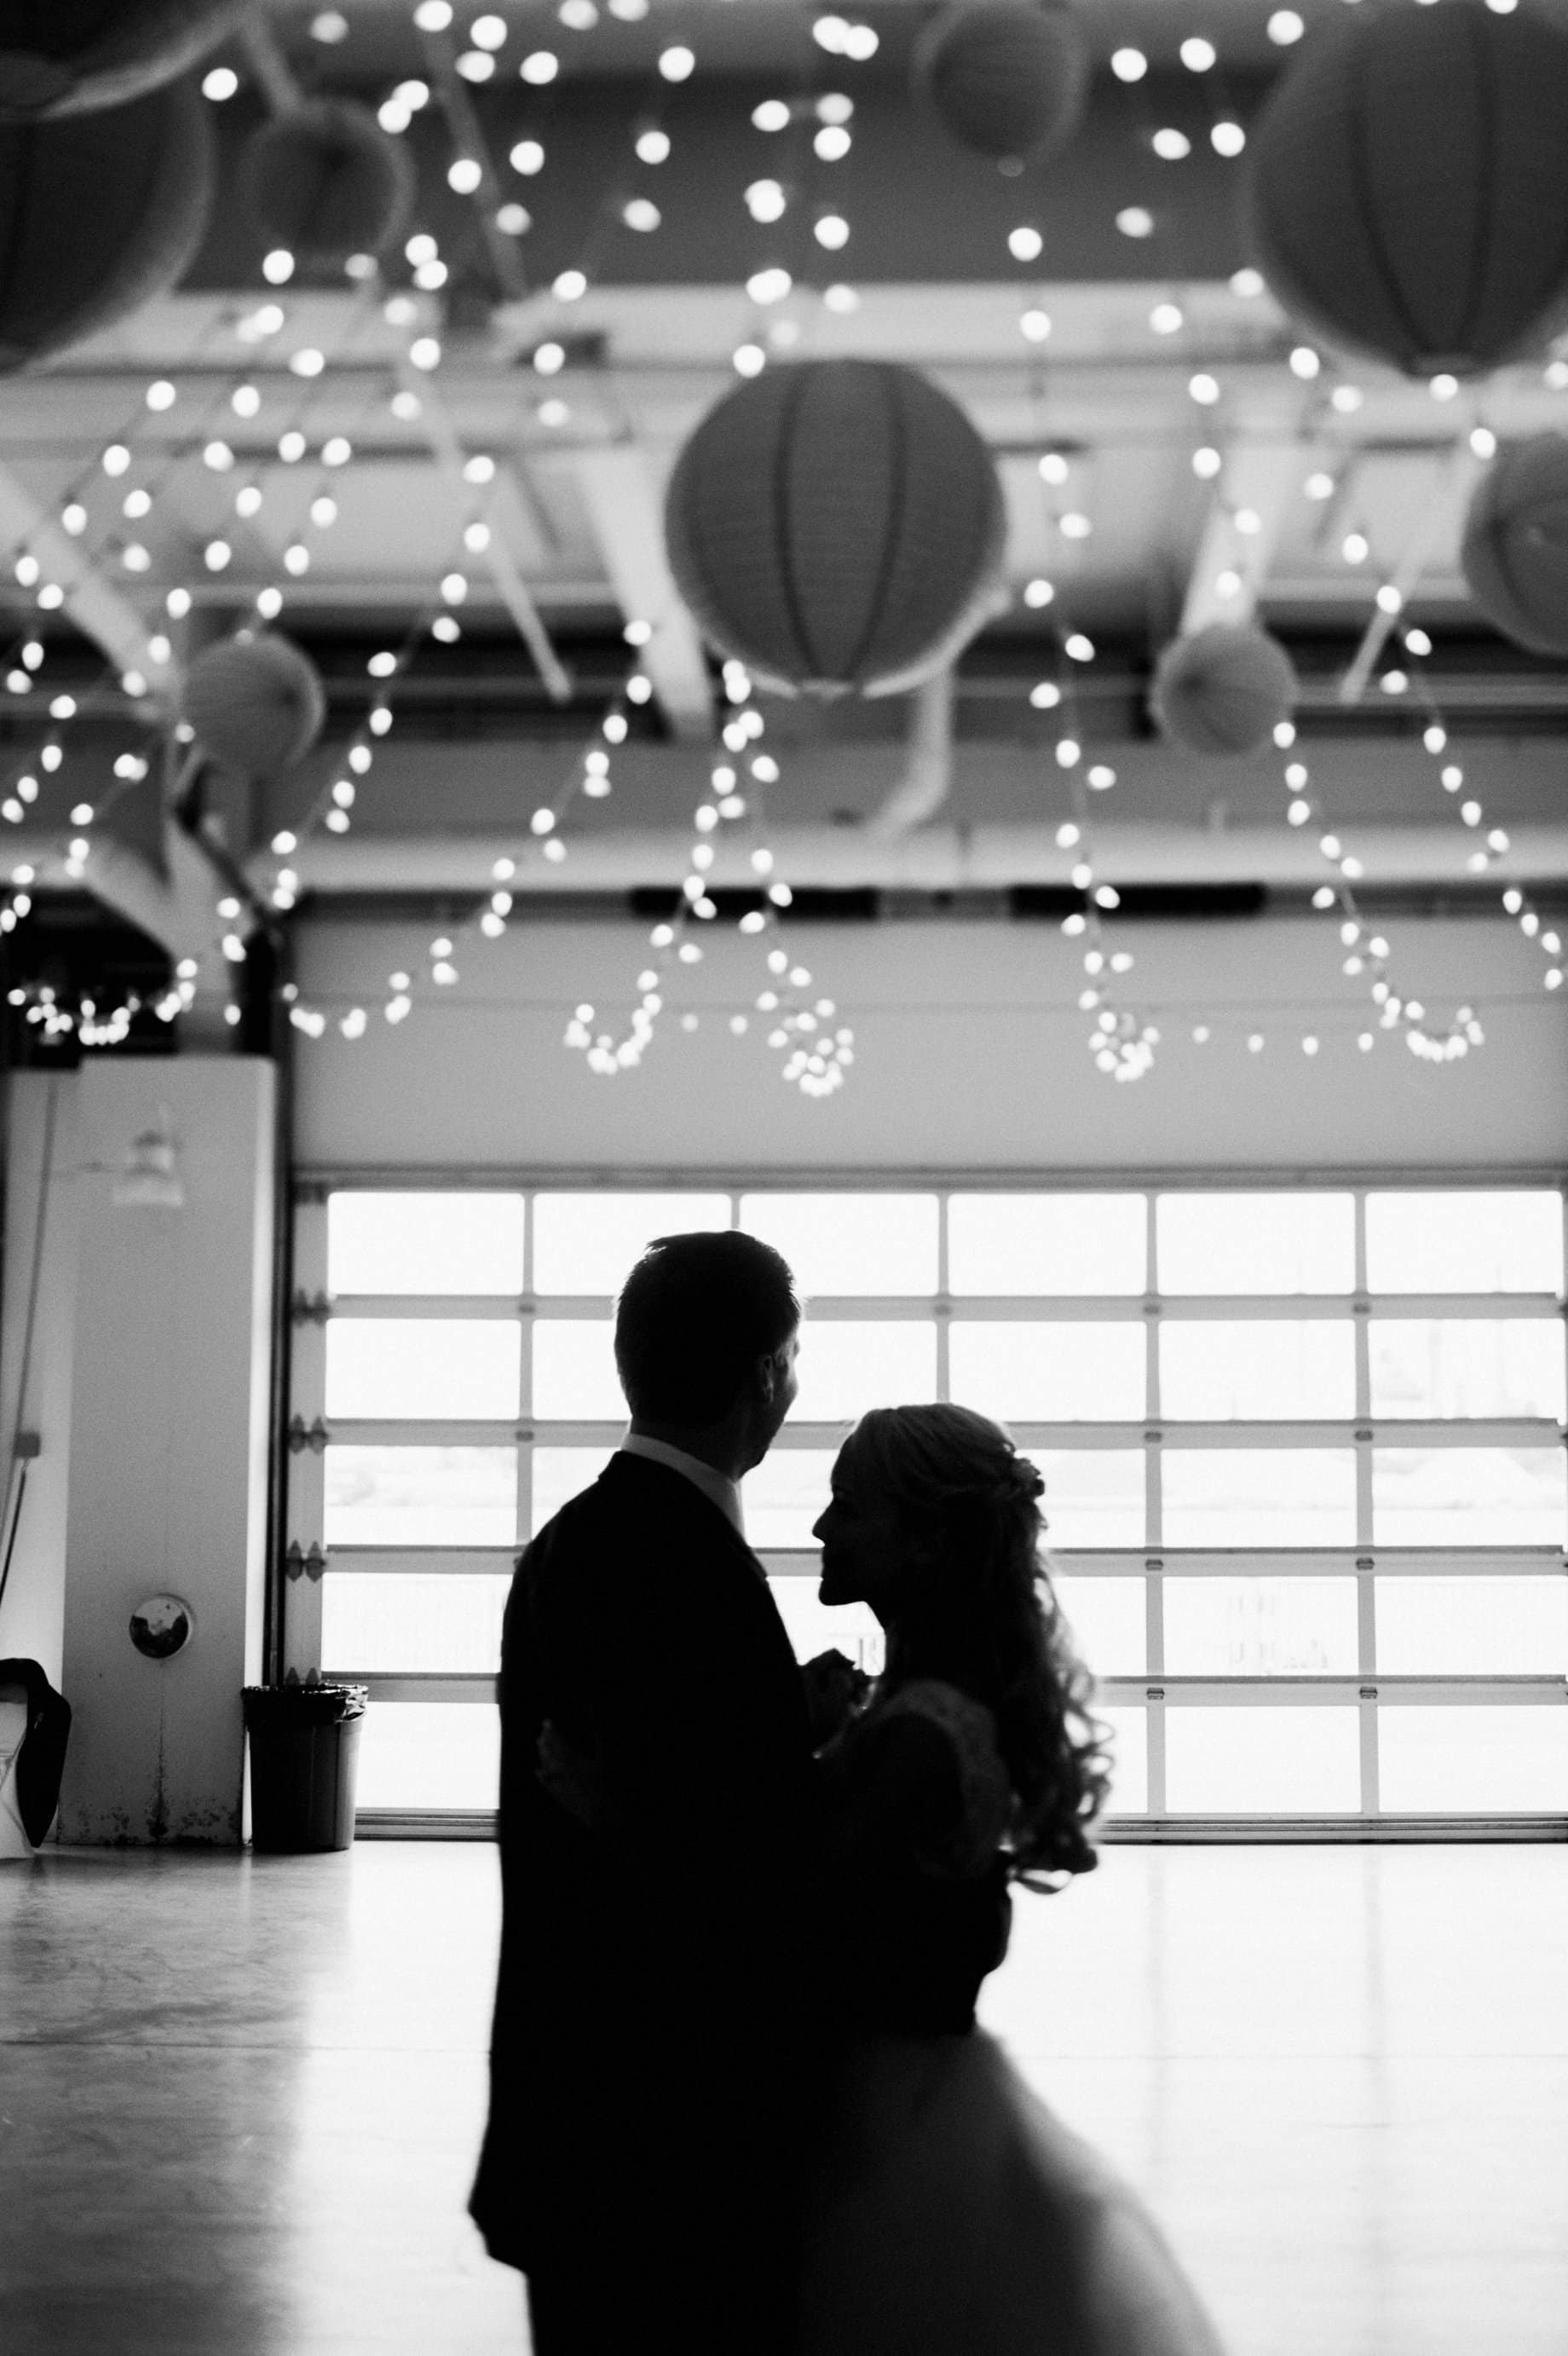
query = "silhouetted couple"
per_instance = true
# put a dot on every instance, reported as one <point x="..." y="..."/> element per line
<point x="739" y="2105"/>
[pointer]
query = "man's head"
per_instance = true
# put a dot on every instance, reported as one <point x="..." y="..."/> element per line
<point x="705" y="1339"/>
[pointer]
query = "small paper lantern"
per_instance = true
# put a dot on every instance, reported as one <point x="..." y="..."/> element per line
<point x="1005" y="78"/>
<point x="1223" y="691"/>
<point x="98" y="214"/>
<point x="326" y="181"/>
<point x="256" y="703"/>
<point x="1515" y="552"/>
<point x="72" y="57"/>
<point x="837" y="525"/>
<point x="1405" y="192"/>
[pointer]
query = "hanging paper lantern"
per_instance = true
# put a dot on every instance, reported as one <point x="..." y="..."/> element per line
<point x="98" y="214"/>
<point x="837" y="525"/>
<point x="1006" y="78"/>
<point x="1406" y="193"/>
<point x="256" y="703"/>
<point x="326" y="181"/>
<point x="1223" y="691"/>
<point x="72" y="57"/>
<point x="1515" y="554"/>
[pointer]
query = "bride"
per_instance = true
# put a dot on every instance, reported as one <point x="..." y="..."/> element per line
<point x="951" y="2212"/>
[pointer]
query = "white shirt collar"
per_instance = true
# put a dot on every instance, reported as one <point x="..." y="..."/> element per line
<point x="719" y="1491"/>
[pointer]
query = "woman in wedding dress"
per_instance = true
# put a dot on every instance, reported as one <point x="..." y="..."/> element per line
<point x="952" y="2214"/>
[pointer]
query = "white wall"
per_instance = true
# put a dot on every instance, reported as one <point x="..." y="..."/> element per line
<point x="970" y="1053"/>
<point x="32" y="1616"/>
<point x="168" y="1460"/>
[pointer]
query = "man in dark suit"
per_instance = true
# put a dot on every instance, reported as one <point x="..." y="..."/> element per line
<point x="654" y="2016"/>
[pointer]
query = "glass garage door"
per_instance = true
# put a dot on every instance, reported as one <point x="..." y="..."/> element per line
<point x="1303" y="1453"/>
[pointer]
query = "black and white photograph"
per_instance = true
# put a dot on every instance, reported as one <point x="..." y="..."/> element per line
<point x="784" y="1178"/>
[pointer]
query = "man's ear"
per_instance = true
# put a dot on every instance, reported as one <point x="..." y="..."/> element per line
<point x="767" y="1375"/>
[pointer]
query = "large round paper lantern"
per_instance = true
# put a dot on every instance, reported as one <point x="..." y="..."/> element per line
<point x="1223" y="691"/>
<point x="326" y="181"/>
<point x="1515" y="553"/>
<point x="1406" y="194"/>
<point x="837" y="525"/>
<point x="71" y="57"/>
<point x="98" y="214"/>
<point x="256" y="703"/>
<point x="1006" y="78"/>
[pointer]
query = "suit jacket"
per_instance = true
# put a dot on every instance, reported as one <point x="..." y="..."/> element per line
<point x="652" y="2005"/>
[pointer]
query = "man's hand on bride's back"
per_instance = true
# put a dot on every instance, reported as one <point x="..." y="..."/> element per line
<point x="835" y="1690"/>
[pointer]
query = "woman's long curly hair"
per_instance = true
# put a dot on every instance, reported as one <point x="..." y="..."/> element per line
<point x="980" y="1614"/>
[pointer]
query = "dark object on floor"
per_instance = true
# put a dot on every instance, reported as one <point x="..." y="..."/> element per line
<point x="304" y="1756"/>
<point x="40" y="1762"/>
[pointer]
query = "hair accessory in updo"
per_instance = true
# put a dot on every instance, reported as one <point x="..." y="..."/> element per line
<point x="1024" y="1479"/>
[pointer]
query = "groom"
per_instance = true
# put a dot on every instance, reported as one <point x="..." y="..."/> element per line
<point x="642" y="2161"/>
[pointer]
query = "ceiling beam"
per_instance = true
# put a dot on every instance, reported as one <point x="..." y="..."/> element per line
<point x="1260" y="480"/>
<point x="100" y="609"/>
<point x="447" y="450"/>
<point x="1456" y="473"/>
<point x="932" y="858"/>
<point x="622" y="500"/>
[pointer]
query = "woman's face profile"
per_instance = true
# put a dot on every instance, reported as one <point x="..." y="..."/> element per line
<point x="864" y="1541"/>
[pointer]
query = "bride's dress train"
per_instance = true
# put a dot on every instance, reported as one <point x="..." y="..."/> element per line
<point x="952" y="2213"/>
<point x="955" y="2216"/>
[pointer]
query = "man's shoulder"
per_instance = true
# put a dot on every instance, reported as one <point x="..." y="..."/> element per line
<point x="639" y="1508"/>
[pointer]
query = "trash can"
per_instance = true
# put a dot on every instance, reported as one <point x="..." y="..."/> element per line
<point x="305" y="1751"/>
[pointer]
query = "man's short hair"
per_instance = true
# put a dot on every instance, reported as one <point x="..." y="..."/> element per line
<point x="694" y="1316"/>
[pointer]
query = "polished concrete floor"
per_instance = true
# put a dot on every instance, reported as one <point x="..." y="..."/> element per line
<point x="240" y="2097"/>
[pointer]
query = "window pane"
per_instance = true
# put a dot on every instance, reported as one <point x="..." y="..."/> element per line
<point x="1265" y="1372"/>
<point x="1129" y="1758"/>
<point x="1464" y="1760"/>
<point x="1106" y="1618"/>
<point x="381" y="1621"/>
<point x="1256" y="1243"/>
<point x="1048" y="1373"/>
<point x="413" y="1367"/>
<point x="587" y="1243"/>
<point x="1498" y="1627"/>
<point x="849" y="1243"/>
<point x="1466" y="1242"/>
<point x="1261" y="1761"/>
<point x="1047" y="1243"/>
<point x="424" y="1243"/>
<point x="1093" y="1496"/>
<point x="574" y="1371"/>
<point x="559" y="1473"/>
<point x="421" y="1497"/>
<point x="1467" y="1366"/>
<point x="784" y="1495"/>
<point x="1260" y="1496"/>
<point x="1468" y="1496"/>
<point x="1260" y="1627"/>
<point x="430" y="1755"/>
<point x="848" y="1628"/>
<point x="846" y="1368"/>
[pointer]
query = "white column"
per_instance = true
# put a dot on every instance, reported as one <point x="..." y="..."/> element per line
<point x="169" y="1450"/>
<point x="38" y="1312"/>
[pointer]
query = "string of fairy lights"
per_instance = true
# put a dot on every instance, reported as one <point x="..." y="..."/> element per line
<point x="800" y="201"/>
<point x="817" y="1050"/>
<point x="109" y="548"/>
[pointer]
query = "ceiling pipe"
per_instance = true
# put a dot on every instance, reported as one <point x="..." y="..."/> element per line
<point x="927" y="779"/>
<point x="933" y="858"/>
